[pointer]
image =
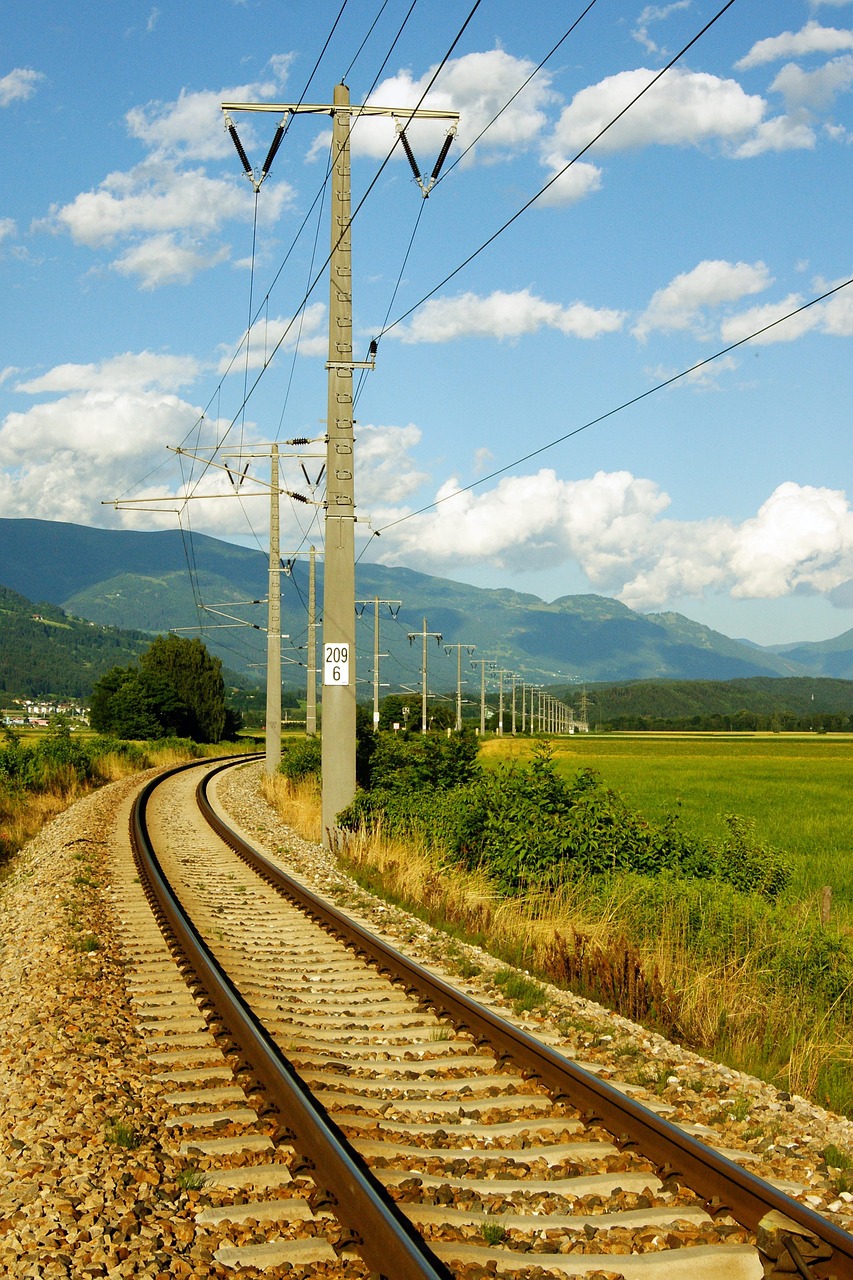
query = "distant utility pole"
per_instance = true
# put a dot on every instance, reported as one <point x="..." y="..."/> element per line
<point x="339" y="685"/>
<point x="516" y="680"/>
<point x="311" y="657"/>
<point x="426" y="635"/>
<point x="482" y="663"/>
<point x="394" y="608"/>
<point x="272" y="758"/>
<point x="448" y="649"/>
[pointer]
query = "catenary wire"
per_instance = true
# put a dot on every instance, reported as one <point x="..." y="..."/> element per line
<point x="626" y="404"/>
<point x="563" y="38"/>
<point x="559" y="174"/>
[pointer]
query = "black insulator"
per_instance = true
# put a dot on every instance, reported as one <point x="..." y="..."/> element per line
<point x="442" y="156"/>
<point x="373" y="348"/>
<point x="409" y="155"/>
<point x="244" y="159"/>
<point x="299" y="440"/>
<point x="274" y="146"/>
<point x="297" y="497"/>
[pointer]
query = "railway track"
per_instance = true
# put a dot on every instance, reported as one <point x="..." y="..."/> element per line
<point x="343" y="1112"/>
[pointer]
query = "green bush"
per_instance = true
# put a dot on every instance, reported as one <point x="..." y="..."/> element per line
<point x="529" y="828"/>
<point x="300" y="758"/>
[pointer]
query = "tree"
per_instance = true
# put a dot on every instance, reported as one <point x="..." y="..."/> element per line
<point x="194" y="677"/>
<point x="176" y="690"/>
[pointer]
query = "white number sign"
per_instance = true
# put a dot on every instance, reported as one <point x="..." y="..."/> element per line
<point x="335" y="664"/>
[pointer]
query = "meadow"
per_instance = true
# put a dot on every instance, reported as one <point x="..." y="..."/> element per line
<point x="798" y="789"/>
<point x="765" y="986"/>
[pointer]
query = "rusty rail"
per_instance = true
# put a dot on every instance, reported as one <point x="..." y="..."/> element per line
<point x="385" y="1238"/>
<point x="724" y="1186"/>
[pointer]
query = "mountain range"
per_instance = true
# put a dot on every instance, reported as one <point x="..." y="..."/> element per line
<point x="152" y="582"/>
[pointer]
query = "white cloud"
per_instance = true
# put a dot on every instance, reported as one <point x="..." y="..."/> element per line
<point x="684" y="108"/>
<point x="681" y="304"/>
<point x="812" y="38"/>
<point x="7" y="228"/>
<point x="814" y="89"/>
<point x="477" y="86"/>
<point x="505" y="316"/>
<point x="386" y="476"/>
<point x="153" y="198"/>
<point x="19" y="85"/>
<point x="783" y="133"/>
<point x="132" y="371"/>
<point x="801" y="538"/>
<point x="655" y="13"/>
<point x="833" y="317"/>
<point x="748" y="322"/>
<point x="163" y="259"/>
<point x="308" y="331"/>
<point x="612" y="525"/>
<point x="580" y="180"/>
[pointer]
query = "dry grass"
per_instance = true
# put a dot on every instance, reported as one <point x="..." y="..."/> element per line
<point x="578" y="941"/>
<point x="297" y="802"/>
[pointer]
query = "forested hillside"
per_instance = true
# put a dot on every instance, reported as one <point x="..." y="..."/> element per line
<point x="761" y="702"/>
<point x="44" y="651"/>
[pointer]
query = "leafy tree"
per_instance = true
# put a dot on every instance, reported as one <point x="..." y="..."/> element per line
<point x="193" y="677"/>
<point x="177" y="690"/>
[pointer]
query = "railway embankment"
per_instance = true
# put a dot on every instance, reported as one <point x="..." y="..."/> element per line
<point x="88" y="1186"/>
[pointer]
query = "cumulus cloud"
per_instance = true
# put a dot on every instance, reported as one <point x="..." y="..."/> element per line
<point x="150" y="198"/>
<point x="386" y="475"/>
<point x="814" y="90"/>
<point x="505" y="316"/>
<point x="568" y="185"/>
<point x="164" y="259"/>
<point x="132" y="371"/>
<point x="812" y="38"/>
<point x="7" y="228"/>
<point x="783" y="133"/>
<point x="682" y="303"/>
<point x="613" y="526"/>
<point x="684" y="108"/>
<point x="167" y="209"/>
<point x="478" y="86"/>
<point x="308" y="331"/>
<point x="19" y="85"/>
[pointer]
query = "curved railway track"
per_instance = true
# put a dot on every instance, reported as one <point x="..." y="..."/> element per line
<point x="352" y="1114"/>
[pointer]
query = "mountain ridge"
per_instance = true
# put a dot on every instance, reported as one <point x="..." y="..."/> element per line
<point x="140" y="581"/>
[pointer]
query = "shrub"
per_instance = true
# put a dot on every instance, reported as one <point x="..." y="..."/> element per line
<point x="300" y="758"/>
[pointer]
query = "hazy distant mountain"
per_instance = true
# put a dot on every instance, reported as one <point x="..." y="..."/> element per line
<point x="823" y="657"/>
<point x="151" y="582"/>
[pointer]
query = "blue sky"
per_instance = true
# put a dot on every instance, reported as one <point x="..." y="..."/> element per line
<point x="133" y="250"/>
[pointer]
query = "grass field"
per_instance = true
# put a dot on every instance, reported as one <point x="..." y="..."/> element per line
<point x="797" y="788"/>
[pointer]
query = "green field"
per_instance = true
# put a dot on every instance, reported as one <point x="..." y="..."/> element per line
<point x="797" y="788"/>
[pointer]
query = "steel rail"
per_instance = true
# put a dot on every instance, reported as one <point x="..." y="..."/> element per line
<point x="387" y="1241"/>
<point x="723" y="1185"/>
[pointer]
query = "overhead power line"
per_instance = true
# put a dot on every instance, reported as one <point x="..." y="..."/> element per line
<point x="626" y="404"/>
<point x="556" y="177"/>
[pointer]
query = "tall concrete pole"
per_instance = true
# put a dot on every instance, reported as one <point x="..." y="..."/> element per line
<point x="376" y="662"/>
<point x="272" y="758"/>
<point x="448" y="649"/>
<point x="311" y="697"/>
<point x="338" y="754"/>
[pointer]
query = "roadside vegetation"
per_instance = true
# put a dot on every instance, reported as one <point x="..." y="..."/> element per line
<point x="701" y="931"/>
<point x="42" y="775"/>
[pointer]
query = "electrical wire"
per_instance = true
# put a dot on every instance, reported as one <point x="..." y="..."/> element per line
<point x="559" y="174"/>
<point x="470" y="147"/>
<point x="626" y="404"/>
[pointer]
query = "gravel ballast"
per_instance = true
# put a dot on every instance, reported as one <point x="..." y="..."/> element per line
<point x="87" y="1189"/>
